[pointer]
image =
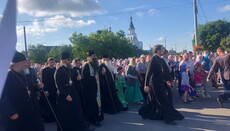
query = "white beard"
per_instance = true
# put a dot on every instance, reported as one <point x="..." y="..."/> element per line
<point x="25" y="71"/>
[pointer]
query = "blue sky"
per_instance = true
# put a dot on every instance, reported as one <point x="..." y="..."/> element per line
<point x="51" y="22"/>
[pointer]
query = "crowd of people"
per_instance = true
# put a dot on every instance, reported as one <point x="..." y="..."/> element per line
<point x="76" y="93"/>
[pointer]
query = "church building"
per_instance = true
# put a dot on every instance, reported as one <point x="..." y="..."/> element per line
<point x="132" y="36"/>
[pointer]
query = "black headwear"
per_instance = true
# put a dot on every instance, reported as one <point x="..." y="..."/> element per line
<point x="65" y="55"/>
<point x="18" y="57"/>
<point x="90" y="53"/>
<point x="105" y="56"/>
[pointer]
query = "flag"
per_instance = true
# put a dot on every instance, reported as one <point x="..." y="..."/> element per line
<point x="8" y="40"/>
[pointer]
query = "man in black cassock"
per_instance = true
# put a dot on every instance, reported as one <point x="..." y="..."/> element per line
<point x="109" y="100"/>
<point x="92" y="93"/>
<point x="18" y="104"/>
<point x="32" y="76"/>
<point x="168" y="78"/>
<point x="50" y="90"/>
<point x="69" y="110"/>
<point x="77" y="80"/>
<point x="159" y="106"/>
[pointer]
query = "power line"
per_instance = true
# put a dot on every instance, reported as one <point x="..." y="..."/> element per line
<point x="203" y="11"/>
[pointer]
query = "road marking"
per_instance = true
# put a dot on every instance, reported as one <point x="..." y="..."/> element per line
<point x="205" y="120"/>
<point x="197" y="119"/>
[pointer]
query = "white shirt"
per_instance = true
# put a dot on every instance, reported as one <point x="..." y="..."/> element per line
<point x="185" y="79"/>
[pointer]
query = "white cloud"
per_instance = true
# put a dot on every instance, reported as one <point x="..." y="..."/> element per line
<point x="160" y="38"/>
<point x="74" y="8"/>
<point x="139" y="13"/>
<point x="153" y="11"/>
<point x="225" y="8"/>
<point x="1" y="17"/>
<point x="150" y="12"/>
<point x="52" y="24"/>
<point x="35" y="29"/>
<point x="60" y="21"/>
<point x="136" y="8"/>
<point x="19" y="46"/>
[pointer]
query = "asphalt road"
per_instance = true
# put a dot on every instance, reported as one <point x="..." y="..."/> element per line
<point x="200" y="115"/>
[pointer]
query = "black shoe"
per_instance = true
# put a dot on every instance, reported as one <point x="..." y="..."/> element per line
<point x="126" y="109"/>
<point x="171" y="123"/>
<point x="96" y="123"/>
<point x="220" y="101"/>
<point x="186" y="102"/>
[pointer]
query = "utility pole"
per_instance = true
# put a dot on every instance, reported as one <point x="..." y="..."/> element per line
<point x="24" y="28"/>
<point x="195" y="22"/>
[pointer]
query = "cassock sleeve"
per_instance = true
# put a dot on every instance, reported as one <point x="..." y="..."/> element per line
<point x="85" y="72"/>
<point x="213" y="68"/>
<point x="45" y="79"/>
<point x="167" y="75"/>
<point x="149" y="72"/>
<point x="86" y="75"/>
<point x="74" y="75"/>
<point x="60" y="81"/>
<point x="6" y="106"/>
<point x="34" y="78"/>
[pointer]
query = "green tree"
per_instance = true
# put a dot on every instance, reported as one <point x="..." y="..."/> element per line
<point x="56" y="52"/>
<point x="80" y="45"/>
<point x="37" y="53"/>
<point x="211" y="33"/>
<point x="120" y="34"/>
<point x="225" y="43"/>
<point x="103" y="42"/>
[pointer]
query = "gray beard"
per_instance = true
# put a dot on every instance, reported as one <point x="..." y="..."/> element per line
<point x="25" y="71"/>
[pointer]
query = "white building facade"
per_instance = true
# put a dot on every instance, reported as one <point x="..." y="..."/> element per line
<point x="132" y="36"/>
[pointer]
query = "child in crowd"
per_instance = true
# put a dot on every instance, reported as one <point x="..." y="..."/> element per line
<point x="185" y="86"/>
<point x="198" y="79"/>
<point x="120" y="86"/>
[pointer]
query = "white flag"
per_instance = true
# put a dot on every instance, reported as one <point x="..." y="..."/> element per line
<point x="8" y="40"/>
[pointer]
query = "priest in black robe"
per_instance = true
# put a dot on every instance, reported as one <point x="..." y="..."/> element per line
<point x="77" y="80"/>
<point x="69" y="110"/>
<point x="32" y="77"/>
<point x="159" y="107"/>
<point x="50" y="91"/>
<point x="19" y="107"/>
<point x="92" y="93"/>
<point x="168" y="78"/>
<point x="109" y="100"/>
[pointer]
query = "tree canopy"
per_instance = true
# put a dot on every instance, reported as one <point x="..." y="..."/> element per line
<point x="211" y="34"/>
<point x="37" y="53"/>
<point x="56" y="52"/>
<point x="225" y="43"/>
<point x="103" y="42"/>
<point x="116" y="45"/>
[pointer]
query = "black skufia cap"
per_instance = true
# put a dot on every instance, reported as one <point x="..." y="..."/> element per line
<point x="90" y="53"/>
<point x="18" y="57"/>
<point x="105" y="56"/>
<point x="65" y="55"/>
